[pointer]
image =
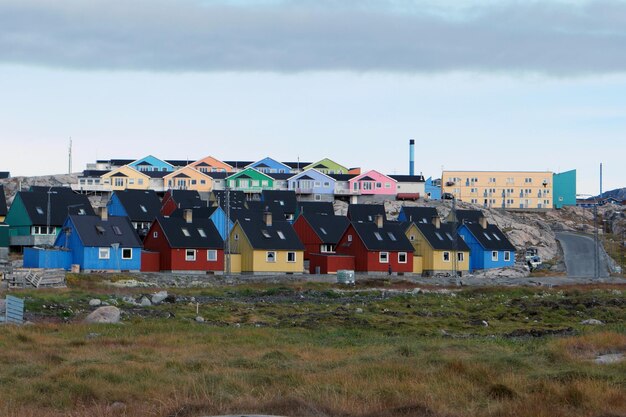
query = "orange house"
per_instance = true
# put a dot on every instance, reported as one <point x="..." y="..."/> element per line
<point x="210" y="164"/>
<point x="188" y="178"/>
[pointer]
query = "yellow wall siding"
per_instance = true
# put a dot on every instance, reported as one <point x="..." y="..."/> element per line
<point x="134" y="180"/>
<point x="432" y="260"/>
<point x="235" y="263"/>
<point x="530" y="189"/>
<point x="417" y="265"/>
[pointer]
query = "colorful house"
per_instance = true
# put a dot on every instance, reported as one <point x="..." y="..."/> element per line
<point x="373" y="183"/>
<point x="215" y="214"/>
<point x="312" y="185"/>
<point x="439" y="247"/>
<point x="361" y="213"/>
<point x="150" y="163"/>
<point x="250" y="181"/>
<point x="417" y="214"/>
<point x="320" y="233"/>
<point x="268" y="165"/>
<point x="188" y="178"/>
<point x="267" y="246"/>
<point x="140" y="206"/>
<point x="210" y="164"/>
<point x="564" y="189"/>
<point x="409" y="187"/>
<point x="327" y="166"/>
<point x="31" y="223"/>
<point x="181" y="199"/>
<point x="377" y="247"/>
<point x="432" y="188"/>
<point x="186" y="244"/>
<point x="489" y="247"/>
<point x="101" y="243"/>
<point x="124" y="178"/>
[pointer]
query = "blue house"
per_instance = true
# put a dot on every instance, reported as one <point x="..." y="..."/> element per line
<point x="489" y="247"/>
<point x="215" y="214"/>
<point x="140" y="206"/>
<point x="150" y="163"/>
<point x="268" y="165"/>
<point x="101" y="244"/>
<point x="313" y="185"/>
<point x="432" y="188"/>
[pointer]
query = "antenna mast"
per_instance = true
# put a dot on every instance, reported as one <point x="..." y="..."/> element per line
<point x="69" y="167"/>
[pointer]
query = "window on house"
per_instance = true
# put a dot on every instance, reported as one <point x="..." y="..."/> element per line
<point x="449" y="236"/>
<point x="487" y="236"/>
<point x="507" y="256"/>
<point x="280" y="234"/>
<point x="383" y="257"/>
<point x="291" y="256"/>
<point x="155" y="235"/>
<point x="446" y="256"/>
<point x="39" y="210"/>
<point x="378" y="236"/>
<point x="391" y="236"/>
<point x="270" y="256"/>
<point x="236" y="236"/>
<point x="402" y="257"/>
<point x="494" y="255"/>
<point x="100" y="230"/>
<point x="190" y="254"/>
<point x="439" y="236"/>
<point x="202" y="232"/>
<point x="318" y="197"/>
<point x="460" y="256"/>
<point x="496" y="237"/>
<point x="323" y="230"/>
<point x="412" y="238"/>
<point x="266" y="234"/>
<point x="104" y="253"/>
<point x="327" y="248"/>
<point x="185" y="231"/>
<point x="127" y="253"/>
<point x="211" y="255"/>
<point x="349" y="238"/>
<point x="117" y="230"/>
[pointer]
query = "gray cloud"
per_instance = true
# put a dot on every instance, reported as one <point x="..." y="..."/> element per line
<point x="556" y="38"/>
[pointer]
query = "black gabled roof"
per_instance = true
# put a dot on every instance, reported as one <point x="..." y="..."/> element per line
<point x="297" y="165"/>
<point x="408" y="178"/>
<point x="262" y="236"/>
<point x="36" y="204"/>
<point x="366" y="212"/>
<point x="3" y="202"/>
<point x="467" y="216"/>
<point x="120" y="162"/>
<point x="187" y="198"/>
<point x="329" y="228"/>
<point x="342" y="177"/>
<point x="442" y="238"/>
<point x="286" y="199"/>
<point x="366" y="178"/>
<point x="239" y="164"/>
<point x="276" y="209"/>
<point x="392" y="237"/>
<point x="420" y="214"/>
<point x="176" y="237"/>
<point x="178" y="162"/>
<point x="280" y="175"/>
<point x="218" y="175"/>
<point x="319" y="207"/>
<point x="491" y="238"/>
<point x="95" y="232"/>
<point x="245" y="213"/>
<point x="199" y="212"/>
<point x="4" y="175"/>
<point x="57" y="190"/>
<point x="156" y="174"/>
<point x="94" y="173"/>
<point x="237" y="199"/>
<point x="140" y="205"/>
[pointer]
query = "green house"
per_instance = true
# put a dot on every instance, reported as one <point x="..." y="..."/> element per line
<point x="564" y="192"/>
<point x="327" y="167"/>
<point x="250" y="181"/>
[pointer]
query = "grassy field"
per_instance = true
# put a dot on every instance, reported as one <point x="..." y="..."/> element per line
<point x="316" y="350"/>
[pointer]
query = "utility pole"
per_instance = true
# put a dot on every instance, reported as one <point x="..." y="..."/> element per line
<point x="227" y="240"/>
<point x="454" y="240"/>
<point x="69" y="168"/>
<point x="596" y="241"/>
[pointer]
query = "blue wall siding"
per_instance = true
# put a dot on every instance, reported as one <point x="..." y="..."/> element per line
<point x="115" y="207"/>
<point x="274" y="166"/>
<point x="47" y="258"/>
<point x="477" y="260"/>
<point x="158" y="164"/>
<point x="115" y="262"/>
<point x="219" y="220"/>
<point x="500" y="263"/>
<point x="294" y="182"/>
<point x="435" y="192"/>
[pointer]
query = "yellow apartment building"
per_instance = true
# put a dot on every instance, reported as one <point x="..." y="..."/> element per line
<point x="500" y="189"/>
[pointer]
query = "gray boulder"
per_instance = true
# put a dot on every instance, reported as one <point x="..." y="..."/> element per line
<point x="159" y="297"/>
<point x="107" y="314"/>
<point x="94" y="302"/>
<point x="592" y="322"/>
<point x="145" y="302"/>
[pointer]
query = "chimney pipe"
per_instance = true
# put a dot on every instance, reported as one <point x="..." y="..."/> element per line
<point x="188" y="215"/>
<point x="379" y="221"/>
<point x="267" y="218"/>
<point x="104" y="214"/>
<point x="437" y="222"/>
<point x="411" y="157"/>
<point x="483" y="222"/>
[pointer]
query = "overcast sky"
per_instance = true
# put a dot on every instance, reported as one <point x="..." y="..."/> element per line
<point x="502" y="85"/>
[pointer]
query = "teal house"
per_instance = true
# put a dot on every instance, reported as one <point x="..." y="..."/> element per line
<point x="564" y="189"/>
<point x="250" y="180"/>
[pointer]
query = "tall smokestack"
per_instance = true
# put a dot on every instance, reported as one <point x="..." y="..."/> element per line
<point x="411" y="157"/>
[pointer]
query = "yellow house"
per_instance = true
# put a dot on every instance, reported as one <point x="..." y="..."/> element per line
<point x="500" y="189"/>
<point x="434" y="243"/>
<point x="188" y="178"/>
<point x="210" y="164"/>
<point x="266" y="246"/>
<point x="125" y="178"/>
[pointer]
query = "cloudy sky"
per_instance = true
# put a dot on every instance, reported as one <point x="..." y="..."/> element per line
<point x="486" y="85"/>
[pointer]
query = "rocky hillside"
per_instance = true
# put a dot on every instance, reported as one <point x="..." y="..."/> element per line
<point x="15" y="184"/>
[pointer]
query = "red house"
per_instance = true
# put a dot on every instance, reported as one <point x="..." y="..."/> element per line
<point x="186" y="244"/>
<point x="320" y="232"/>
<point x="377" y="246"/>
<point x="181" y="199"/>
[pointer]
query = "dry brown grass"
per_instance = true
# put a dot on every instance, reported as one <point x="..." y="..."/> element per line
<point x="590" y="345"/>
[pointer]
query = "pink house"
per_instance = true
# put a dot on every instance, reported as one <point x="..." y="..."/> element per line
<point x="374" y="183"/>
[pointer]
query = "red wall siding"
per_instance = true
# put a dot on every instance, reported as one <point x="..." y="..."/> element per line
<point x="307" y="236"/>
<point x="158" y="244"/>
<point x="200" y="264"/>
<point x="374" y="265"/>
<point x="330" y="264"/>
<point x="168" y="207"/>
<point x="150" y="261"/>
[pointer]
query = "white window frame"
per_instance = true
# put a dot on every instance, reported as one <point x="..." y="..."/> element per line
<point x="507" y="256"/>
<point x="267" y="256"/>
<point x="349" y="238"/>
<point x="494" y="255"/>
<point x="155" y="235"/>
<point x="291" y="254"/>
<point x="189" y="252"/>
<point x="443" y="256"/>
<point x="127" y="257"/>
<point x="383" y="257"/>
<point x="460" y="256"/>
<point x="104" y="253"/>
<point x="211" y="255"/>
<point x="400" y="255"/>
